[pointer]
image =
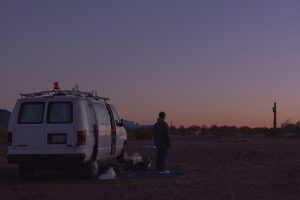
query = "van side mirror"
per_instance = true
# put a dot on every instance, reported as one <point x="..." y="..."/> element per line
<point x="121" y="122"/>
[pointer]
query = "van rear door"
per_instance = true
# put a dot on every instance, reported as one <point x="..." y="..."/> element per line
<point x="29" y="137"/>
<point x="59" y="128"/>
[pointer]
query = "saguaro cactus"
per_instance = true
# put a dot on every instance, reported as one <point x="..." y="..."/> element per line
<point x="275" y="115"/>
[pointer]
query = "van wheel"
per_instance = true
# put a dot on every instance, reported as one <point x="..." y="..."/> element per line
<point x="93" y="169"/>
<point x="122" y="157"/>
<point x="26" y="171"/>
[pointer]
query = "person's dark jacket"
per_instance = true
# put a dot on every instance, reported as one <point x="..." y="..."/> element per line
<point x="161" y="134"/>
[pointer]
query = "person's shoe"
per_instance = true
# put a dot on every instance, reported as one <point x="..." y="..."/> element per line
<point x="165" y="172"/>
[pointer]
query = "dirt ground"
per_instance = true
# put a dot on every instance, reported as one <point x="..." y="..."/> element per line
<point x="210" y="168"/>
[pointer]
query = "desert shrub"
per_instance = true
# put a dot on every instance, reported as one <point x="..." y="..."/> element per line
<point x="214" y="129"/>
<point x="174" y="130"/>
<point x="221" y="130"/>
<point x="182" y="130"/>
<point x="143" y="134"/>
<point x="228" y="130"/>
<point x="276" y="132"/>
<point x="245" y="131"/>
<point x="290" y="127"/>
<point x="204" y="130"/>
<point x="194" y="128"/>
<point x="261" y="131"/>
<point x="287" y="129"/>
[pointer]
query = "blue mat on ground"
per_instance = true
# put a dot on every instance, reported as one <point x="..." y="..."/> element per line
<point x="150" y="174"/>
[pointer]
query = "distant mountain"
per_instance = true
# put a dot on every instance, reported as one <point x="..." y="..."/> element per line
<point x="134" y="125"/>
<point x="4" y="118"/>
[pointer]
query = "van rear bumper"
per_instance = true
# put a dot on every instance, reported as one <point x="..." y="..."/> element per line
<point x="47" y="160"/>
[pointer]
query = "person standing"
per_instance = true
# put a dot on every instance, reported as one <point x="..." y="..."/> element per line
<point x="162" y="143"/>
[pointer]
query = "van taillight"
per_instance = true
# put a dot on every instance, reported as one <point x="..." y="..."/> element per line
<point x="9" y="138"/>
<point x="81" y="137"/>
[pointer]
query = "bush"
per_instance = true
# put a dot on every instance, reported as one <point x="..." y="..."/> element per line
<point x="245" y="131"/>
<point x="287" y="129"/>
<point x="173" y="131"/>
<point x="143" y="134"/>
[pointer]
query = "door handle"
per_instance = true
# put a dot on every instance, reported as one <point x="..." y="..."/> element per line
<point x="22" y="145"/>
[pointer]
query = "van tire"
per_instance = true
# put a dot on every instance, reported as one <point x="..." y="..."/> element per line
<point x="93" y="169"/>
<point x="122" y="157"/>
<point x="26" y="171"/>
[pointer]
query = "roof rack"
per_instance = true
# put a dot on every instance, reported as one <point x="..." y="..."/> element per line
<point x="54" y="92"/>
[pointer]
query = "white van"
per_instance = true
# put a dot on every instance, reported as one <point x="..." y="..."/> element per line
<point x="64" y="128"/>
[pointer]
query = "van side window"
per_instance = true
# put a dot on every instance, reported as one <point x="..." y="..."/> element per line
<point x="116" y="116"/>
<point x="101" y="113"/>
<point x="60" y="112"/>
<point x="90" y="112"/>
<point x="31" y="113"/>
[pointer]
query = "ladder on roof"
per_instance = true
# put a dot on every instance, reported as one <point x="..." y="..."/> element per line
<point x="66" y="92"/>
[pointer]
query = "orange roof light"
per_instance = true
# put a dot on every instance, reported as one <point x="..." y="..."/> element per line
<point x="56" y="86"/>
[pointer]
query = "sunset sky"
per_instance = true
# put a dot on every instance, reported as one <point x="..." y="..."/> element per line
<point x="201" y="61"/>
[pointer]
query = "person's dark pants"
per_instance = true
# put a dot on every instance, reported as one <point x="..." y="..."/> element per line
<point x="161" y="159"/>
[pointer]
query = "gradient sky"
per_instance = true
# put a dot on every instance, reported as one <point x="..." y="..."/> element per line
<point x="202" y="62"/>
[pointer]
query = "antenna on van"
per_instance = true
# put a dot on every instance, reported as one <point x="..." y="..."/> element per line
<point x="94" y="93"/>
<point x="75" y="88"/>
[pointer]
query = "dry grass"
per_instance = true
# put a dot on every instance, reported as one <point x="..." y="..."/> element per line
<point x="213" y="168"/>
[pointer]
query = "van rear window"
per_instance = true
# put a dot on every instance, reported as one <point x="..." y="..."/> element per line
<point x="60" y="112"/>
<point x="31" y="113"/>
